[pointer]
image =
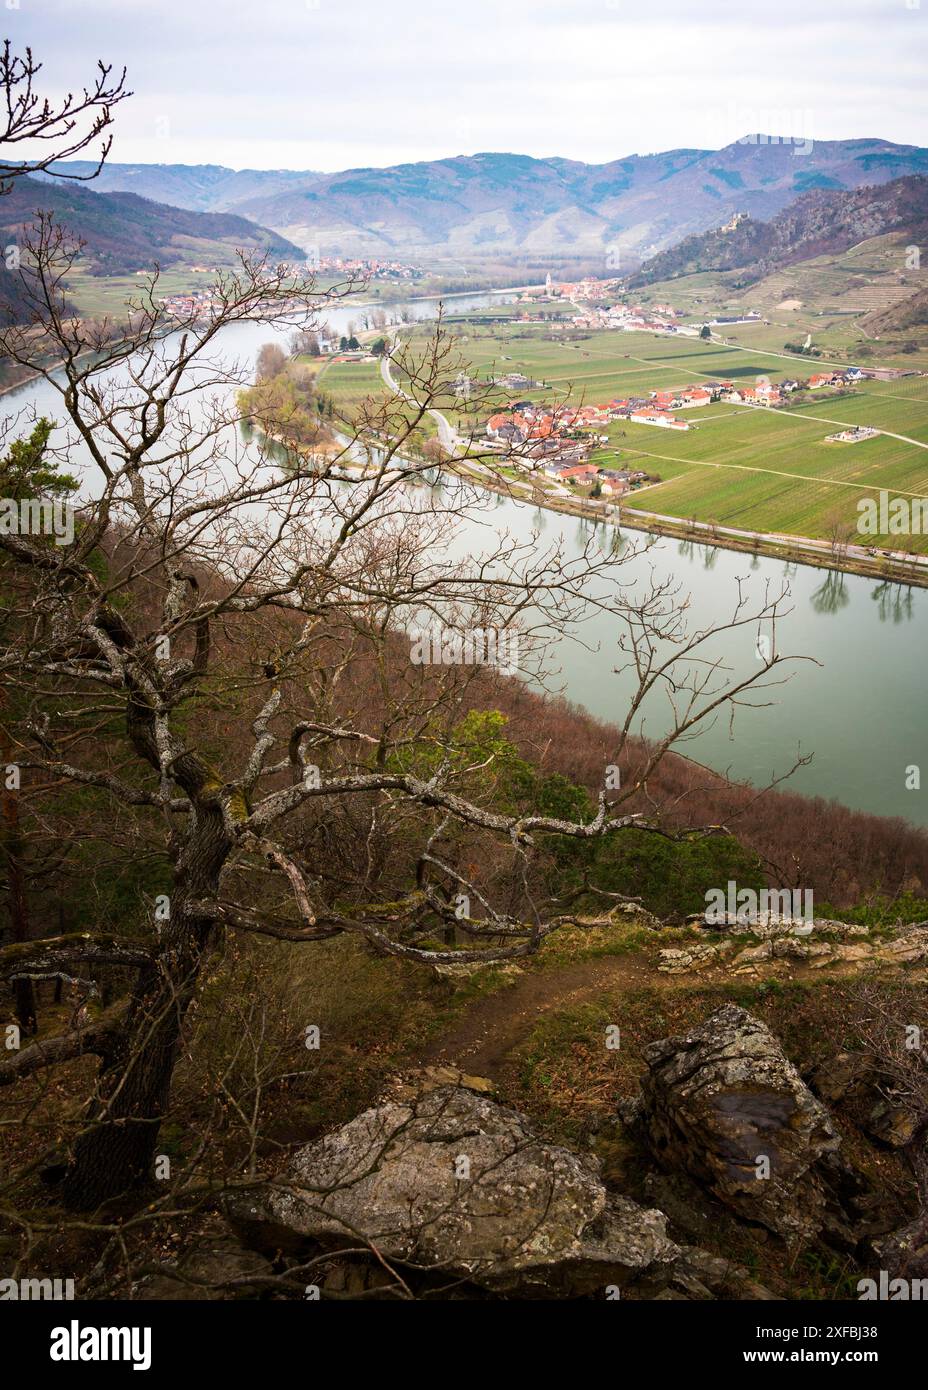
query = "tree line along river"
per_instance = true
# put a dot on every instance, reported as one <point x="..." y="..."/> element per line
<point x="858" y="708"/>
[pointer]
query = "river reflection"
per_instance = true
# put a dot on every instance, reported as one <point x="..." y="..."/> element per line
<point x="858" y="708"/>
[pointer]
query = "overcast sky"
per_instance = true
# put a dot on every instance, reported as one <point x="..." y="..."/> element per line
<point x="333" y="84"/>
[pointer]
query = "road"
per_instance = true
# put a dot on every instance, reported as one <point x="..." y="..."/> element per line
<point x="448" y="437"/>
<point x="452" y="441"/>
<point x="824" y="548"/>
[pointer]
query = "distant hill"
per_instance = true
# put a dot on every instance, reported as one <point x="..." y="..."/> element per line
<point x="910" y="313"/>
<point x="488" y="204"/>
<point x="124" y="233"/>
<point x="199" y="187"/>
<point x="822" y="222"/>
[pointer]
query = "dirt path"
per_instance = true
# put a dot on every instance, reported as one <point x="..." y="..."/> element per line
<point x="482" y="1041"/>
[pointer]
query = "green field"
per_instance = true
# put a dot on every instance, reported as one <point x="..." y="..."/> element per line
<point x="755" y="469"/>
<point x="829" y="297"/>
<point x="347" y="383"/>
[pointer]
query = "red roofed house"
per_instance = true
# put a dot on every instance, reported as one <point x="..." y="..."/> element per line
<point x="579" y="473"/>
<point x="657" y="417"/>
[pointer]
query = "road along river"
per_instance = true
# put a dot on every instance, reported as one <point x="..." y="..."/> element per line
<point x="860" y="710"/>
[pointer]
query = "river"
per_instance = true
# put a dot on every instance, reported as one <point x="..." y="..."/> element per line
<point x="858" y="711"/>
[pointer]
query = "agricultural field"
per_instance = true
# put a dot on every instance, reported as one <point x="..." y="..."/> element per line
<point x="347" y="383"/>
<point x="829" y="297"/>
<point x="106" y="296"/>
<point x="772" y="470"/>
<point x="740" y="466"/>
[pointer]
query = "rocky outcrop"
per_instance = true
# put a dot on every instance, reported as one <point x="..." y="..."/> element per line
<point x="826" y="944"/>
<point x="726" y="1106"/>
<point x="680" y="960"/>
<point x="438" y="1187"/>
<point x="451" y="1183"/>
<point x="767" y="924"/>
<point x="890" y="1117"/>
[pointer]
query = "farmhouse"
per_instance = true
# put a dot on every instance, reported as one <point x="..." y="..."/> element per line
<point x="496" y="423"/>
<point x="510" y="434"/>
<point x="613" y="482"/>
<point x="692" y="396"/>
<point x="583" y="473"/>
<point x="819" y="379"/>
<point x="657" y="417"/>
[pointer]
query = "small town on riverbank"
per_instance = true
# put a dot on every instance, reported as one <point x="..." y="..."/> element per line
<point x="563" y="437"/>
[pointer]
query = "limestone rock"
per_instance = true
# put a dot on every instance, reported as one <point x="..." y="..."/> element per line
<point x="451" y="1182"/>
<point x="719" y="1101"/>
<point x="907" y="948"/>
<point x="678" y="961"/>
<point x="766" y="925"/>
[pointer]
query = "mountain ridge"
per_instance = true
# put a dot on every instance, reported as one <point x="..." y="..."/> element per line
<point x="489" y="203"/>
<point x="819" y="222"/>
<point x="124" y="232"/>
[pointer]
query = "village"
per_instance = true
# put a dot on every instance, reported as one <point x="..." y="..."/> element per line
<point x="558" y="440"/>
<point x="599" y="306"/>
<point x="191" y="305"/>
<point x="365" y="268"/>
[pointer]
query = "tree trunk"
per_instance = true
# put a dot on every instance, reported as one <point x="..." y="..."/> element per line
<point x="116" y="1152"/>
<point x="23" y="990"/>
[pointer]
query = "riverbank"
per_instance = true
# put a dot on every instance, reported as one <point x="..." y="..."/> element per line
<point x="865" y="638"/>
<point x="892" y="567"/>
<point x="911" y="570"/>
<point x="801" y="550"/>
<point x="900" y="567"/>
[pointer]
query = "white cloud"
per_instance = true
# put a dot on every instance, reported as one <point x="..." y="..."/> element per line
<point x="287" y="83"/>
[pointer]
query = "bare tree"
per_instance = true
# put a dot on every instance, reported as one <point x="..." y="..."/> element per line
<point x="68" y="126"/>
<point x="271" y="362"/>
<point x="204" y="577"/>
